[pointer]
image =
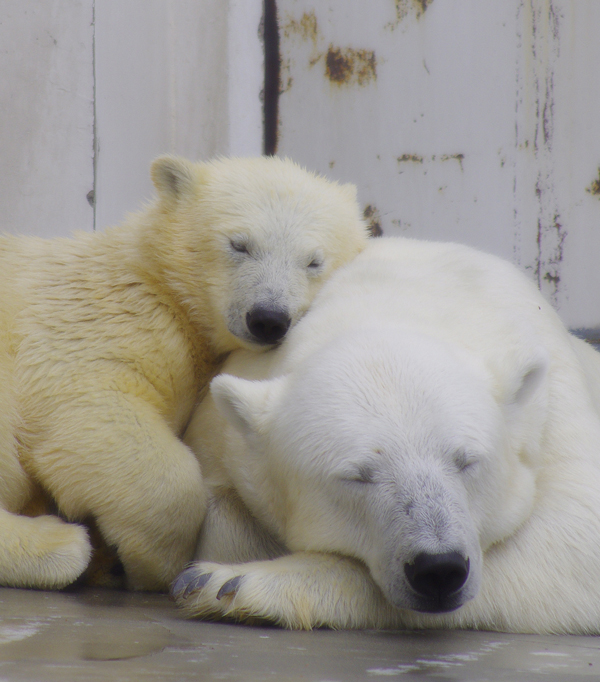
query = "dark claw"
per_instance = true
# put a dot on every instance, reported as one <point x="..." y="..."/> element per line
<point x="188" y="582"/>
<point x="230" y="588"/>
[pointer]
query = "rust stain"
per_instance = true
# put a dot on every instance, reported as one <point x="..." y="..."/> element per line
<point x="285" y="76"/>
<point x="338" y="66"/>
<point x="305" y="28"/>
<point x="422" y="6"/>
<point x="553" y="279"/>
<point x="415" y="158"/>
<point x="347" y="66"/>
<point x="552" y="261"/>
<point x="594" y="188"/>
<point x="453" y="157"/>
<point x="406" y="7"/>
<point x="371" y="215"/>
<point x="367" y="66"/>
<point x="542" y="56"/>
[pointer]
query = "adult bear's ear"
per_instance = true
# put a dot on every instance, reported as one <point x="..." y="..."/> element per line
<point x="173" y="176"/>
<point x="247" y="405"/>
<point x="527" y="404"/>
<point x="530" y="378"/>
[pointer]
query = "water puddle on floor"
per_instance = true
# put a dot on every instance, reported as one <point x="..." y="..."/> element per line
<point x="67" y="639"/>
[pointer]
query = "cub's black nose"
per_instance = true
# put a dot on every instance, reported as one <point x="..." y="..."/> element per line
<point x="437" y="576"/>
<point x="268" y="325"/>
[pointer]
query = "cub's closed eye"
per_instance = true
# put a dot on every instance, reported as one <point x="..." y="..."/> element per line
<point x="316" y="260"/>
<point x="239" y="245"/>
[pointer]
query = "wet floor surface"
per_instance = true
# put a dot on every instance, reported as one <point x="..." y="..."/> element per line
<point x="116" y="636"/>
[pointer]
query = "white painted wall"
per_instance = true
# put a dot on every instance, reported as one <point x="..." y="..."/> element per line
<point x="467" y="120"/>
<point x="464" y="120"/>
<point x="92" y="90"/>
<point x="46" y="116"/>
<point x="181" y="77"/>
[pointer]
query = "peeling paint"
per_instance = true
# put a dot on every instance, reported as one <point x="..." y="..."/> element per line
<point x="417" y="158"/>
<point x="338" y="66"/>
<point x="406" y="7"/>
<point x="550" y="261"/>
<point x="536" y="99"/>
<point x="371" y="215"/>
<point x="347" y="66"/>
<point x="343" y="66"/>
<point x="594" y="188"/>
<point x="410" y="157"/>
<point x="422" y="5"/>
<point x="285" y="76"/>
<point x="453" y="157"/>
<point x="305" y="28"/>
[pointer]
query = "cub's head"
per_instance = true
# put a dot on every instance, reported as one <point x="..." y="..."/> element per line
<point x="247" y="243"/>
<point x="391" y="447"/>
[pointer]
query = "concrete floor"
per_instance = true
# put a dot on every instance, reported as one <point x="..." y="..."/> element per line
<point x="116" y="636"/>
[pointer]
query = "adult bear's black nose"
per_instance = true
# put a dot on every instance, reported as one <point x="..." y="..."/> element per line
<point x="268" y="325"/>
<point x="436" y="577"/>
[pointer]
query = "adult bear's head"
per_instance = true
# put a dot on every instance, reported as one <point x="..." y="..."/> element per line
<point x="391" y="447"/>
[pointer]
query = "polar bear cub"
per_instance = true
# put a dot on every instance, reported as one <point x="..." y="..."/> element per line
<point x="106" y="340"/>
<point x="422" y="451"/>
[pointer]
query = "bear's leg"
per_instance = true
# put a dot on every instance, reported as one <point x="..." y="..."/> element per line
<point x="42" y="552"/>
<point x="231" y="535"/>
<point x="36" y="549"/>
<point x="119" y="462"/>
<point x="303" y="590"/>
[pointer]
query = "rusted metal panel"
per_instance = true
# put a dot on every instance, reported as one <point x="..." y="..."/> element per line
<point x="459" y="120"/>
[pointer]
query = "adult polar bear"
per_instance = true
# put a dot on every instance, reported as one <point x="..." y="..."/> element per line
<point x="423" y="451"/>
<point x="106" y="339"/>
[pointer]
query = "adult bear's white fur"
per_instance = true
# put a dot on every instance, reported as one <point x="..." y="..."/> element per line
<point x="430" y="401"/>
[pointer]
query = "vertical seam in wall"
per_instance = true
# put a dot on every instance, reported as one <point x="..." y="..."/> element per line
<point x="94" y="128"/>
<point x="272" y="86"/>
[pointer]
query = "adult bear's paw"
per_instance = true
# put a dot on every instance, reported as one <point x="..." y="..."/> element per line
<point x="299" y="591"/>
<point x="247" y="593"/>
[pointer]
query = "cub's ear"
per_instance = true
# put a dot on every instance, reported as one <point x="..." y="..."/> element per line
<point x="173" y="176"/>
<point x="247" y="405"/>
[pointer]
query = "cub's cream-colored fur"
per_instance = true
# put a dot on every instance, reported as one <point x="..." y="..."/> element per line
<point x="106" y="340"/>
